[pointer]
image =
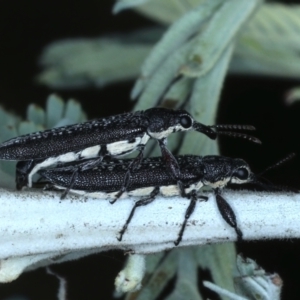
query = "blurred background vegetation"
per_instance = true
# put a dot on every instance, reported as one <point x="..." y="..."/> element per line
<point x="27" y="27"/>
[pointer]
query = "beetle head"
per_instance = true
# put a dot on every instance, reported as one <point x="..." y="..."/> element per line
<point x="218" y="171"/>
<point x="163" y="122"/>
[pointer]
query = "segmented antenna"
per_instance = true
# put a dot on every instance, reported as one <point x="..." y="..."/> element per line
<point x="234" y="127"/>
<point x="236" y="134"/>
<point x="270" y="186"/>
<point x="247" y="137"/>
<point x="279" y="163"/>
<point x="266" y="184"/>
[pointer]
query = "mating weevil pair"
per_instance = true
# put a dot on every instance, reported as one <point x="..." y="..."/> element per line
<point x="89" y="142"/>
<point x="113" y="136"/>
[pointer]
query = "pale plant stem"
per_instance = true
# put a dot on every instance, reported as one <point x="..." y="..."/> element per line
<point x="37" y="228"/>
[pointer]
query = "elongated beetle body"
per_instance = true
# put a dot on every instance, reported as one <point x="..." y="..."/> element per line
<point x="152" y="178"/>
<point x="113" y="136"/>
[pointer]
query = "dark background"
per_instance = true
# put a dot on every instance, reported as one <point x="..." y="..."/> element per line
<point x="27" y="26"/>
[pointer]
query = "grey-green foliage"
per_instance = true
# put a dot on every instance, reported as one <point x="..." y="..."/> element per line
<point x="251" y="282"/>
<point x="56" y="113"/>
<point x="268" y="44"/>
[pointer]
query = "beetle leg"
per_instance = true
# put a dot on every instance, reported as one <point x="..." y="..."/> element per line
<point x="228" y="214"/>
<point x="192" y="195"/>
<point x="141" y="202"/>
<point x="131" y="168"/>
<point x="170" y="160"/>
<point x="87" y="165"/>
<point x="181" y="189"/>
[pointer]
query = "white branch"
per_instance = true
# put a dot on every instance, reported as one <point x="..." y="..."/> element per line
<point x="37" y="228"/>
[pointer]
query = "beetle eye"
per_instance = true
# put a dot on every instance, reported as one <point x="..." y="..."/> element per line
<point x="241" y="174"/>
<point x="186" y="121"/>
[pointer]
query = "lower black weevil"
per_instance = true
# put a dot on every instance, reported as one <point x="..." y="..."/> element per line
<point x="152" y="178"/>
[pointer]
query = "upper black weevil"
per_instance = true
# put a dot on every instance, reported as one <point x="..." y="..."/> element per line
<point x="112" y="136"/>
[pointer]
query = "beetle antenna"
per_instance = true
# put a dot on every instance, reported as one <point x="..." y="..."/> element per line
<point x="225" y="127"/>
<point x="268" y="185"/>
<point x="247" y="137"/>
<point x="233" y="127"/>
<point x="279" y="163"/>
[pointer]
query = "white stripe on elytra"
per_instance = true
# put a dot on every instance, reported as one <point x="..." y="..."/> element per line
<point x="167" y="191"/>
<point x="115" y="149"/>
